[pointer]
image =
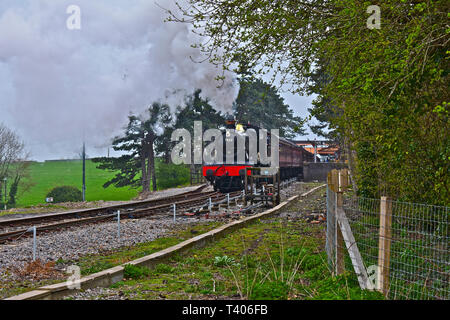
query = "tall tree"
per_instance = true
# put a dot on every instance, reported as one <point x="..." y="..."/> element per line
<point x="259" y="103"/>
<point x="323" y="109"/>
<point x="11" y="150"/>
<point x="195" y="108"/>
<point x="13" y="165"/>
<point x="137" y="167"/>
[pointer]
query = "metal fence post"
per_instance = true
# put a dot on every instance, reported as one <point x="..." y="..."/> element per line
<point x="118" y="224"/>
<point x="34" y="243"/>
<point x="228" y="200"/>
<point x="384" y="245"/>
<point x="174" y="212"/>
<point x="33" y="229"/>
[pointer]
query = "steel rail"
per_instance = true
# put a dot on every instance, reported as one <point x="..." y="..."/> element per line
<point x="92" y="211"/>
<point x="134" y="210"/>
<point x="200" y="199"/>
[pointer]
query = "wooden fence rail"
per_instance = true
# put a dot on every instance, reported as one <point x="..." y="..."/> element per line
<point x="338" y="182"/>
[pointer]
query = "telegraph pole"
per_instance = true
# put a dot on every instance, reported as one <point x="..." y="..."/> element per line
<point x="315" y="149"/>
<point x="5" y="180"/>
<point x="84" y="172"/>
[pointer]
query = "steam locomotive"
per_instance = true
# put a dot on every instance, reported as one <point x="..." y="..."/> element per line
<point x="229" y="177"/>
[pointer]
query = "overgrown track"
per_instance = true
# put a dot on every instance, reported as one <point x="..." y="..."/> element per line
<point x="14" y="228"/>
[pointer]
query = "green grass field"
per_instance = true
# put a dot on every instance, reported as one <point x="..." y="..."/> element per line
<point x="50" y="174"/>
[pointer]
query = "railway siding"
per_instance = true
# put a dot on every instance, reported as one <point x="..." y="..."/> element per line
<point x="110" y="276"/>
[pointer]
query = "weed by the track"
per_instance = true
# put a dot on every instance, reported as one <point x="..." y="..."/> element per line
<point x="94" y="263"/>
<point x="134" y="272"/>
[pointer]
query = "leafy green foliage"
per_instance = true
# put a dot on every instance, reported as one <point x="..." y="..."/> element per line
<point x="126" y="167"/>
<point x="13" y="192"/>
<point x="65" y="194"/>
<point x="135" y="272"/>
<point x="225" y="261"/>
<point x="171" y="175"/>
<point x="163" y="268"/>
<point x="322" y="108"/>
<point x="197" y="108"/>
<point x="384" y="91"/>
<point x="14" y="167"/>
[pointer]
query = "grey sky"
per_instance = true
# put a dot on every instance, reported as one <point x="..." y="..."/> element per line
<point x="58" y="85"/>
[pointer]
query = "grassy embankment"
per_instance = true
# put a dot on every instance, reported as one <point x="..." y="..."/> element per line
<point x="47" y="175"/>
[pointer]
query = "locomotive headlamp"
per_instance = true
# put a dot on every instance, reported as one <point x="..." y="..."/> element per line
<point x="239" y="127"/>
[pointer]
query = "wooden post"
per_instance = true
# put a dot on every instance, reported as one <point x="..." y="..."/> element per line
<point x="334" y="180"/>
<point x="343" y="180"/>
<point x="384" y="245"/>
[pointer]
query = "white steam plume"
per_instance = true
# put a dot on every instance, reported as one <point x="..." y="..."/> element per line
<point x="57" y="85"/>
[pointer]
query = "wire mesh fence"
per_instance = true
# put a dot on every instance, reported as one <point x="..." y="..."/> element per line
<point x="418" y="258"/>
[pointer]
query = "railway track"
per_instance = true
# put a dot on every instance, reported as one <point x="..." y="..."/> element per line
<point x="95" y="211"/>
<point x="195" y="200"/>
<point x="16" y="228"/>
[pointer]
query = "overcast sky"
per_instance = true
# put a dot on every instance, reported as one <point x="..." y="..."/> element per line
<point x="59" y="85"/>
